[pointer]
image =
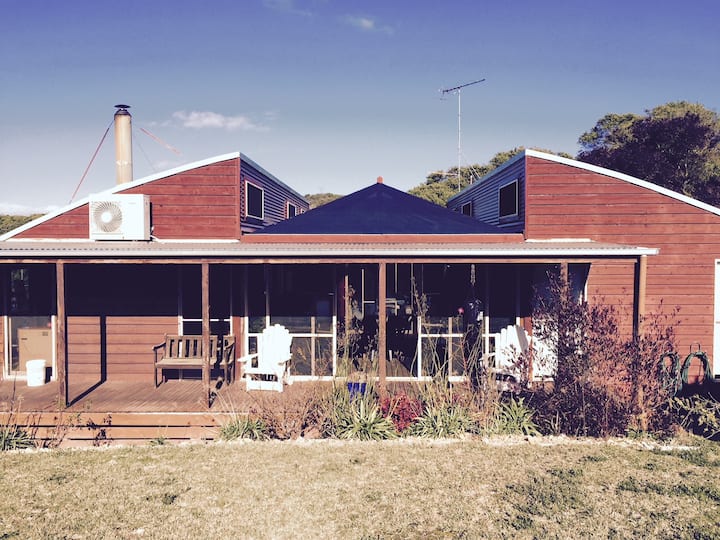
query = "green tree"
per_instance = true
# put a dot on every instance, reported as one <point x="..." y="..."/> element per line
<point x="676" y="145"/>
<point x="8" y="223"/>
<point x="439" y="186"/>
<point x="318" y="199"/>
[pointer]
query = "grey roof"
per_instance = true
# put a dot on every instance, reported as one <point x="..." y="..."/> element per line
<point x="380" y="209"/>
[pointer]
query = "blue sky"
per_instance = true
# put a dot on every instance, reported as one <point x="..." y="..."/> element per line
<point x="328" y="94"/>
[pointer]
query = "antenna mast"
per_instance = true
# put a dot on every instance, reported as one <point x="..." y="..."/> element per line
<point x="457" y="90"/>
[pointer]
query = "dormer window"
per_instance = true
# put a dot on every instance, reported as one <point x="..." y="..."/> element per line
<point x="508" y="196"/>
<point x="254" y="201"/>
<point x="292" y="210"/>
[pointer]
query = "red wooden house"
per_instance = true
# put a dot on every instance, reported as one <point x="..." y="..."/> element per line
<point x="206" y="250"/>
<point x="545" y="197"/>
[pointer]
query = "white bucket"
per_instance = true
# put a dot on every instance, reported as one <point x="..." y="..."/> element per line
<point x="35" y="372"/>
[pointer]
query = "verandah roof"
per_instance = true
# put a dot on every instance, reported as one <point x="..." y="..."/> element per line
<point x="240" y="251"/>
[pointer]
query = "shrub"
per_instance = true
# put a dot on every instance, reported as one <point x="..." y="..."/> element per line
<point x="606" y="381"/>
<point x="444" y="420"/>
<point x="15" y="435"/>
<point x="243" y="427"/>
<point x="514" y="417"/>
<point x="402" y="409"/>
<point x="699" y="415"/>
<point x="361" y="418"/>
<point x="303" y="412"/>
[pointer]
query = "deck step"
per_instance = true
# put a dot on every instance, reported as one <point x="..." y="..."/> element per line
<point x="88" y="429"/>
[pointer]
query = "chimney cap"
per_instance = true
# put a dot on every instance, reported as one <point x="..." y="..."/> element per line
<point x="122" y="109"/>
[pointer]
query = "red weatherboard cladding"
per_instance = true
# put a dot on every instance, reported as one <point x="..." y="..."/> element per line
<point x="73" y="224"/>
<point x="565" y="201"/>
<point x="199" y="203"/>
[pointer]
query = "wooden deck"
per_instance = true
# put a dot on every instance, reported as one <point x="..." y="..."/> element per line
<point x="128" y="412"/>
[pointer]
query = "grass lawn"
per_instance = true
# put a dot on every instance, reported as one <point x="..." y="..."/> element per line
<point x="499" y="488"/>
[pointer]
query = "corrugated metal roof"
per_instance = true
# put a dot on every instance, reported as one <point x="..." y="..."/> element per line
<point x="176" y="249"/>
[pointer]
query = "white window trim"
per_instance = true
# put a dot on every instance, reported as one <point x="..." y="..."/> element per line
<point x="247" y="199"/>
<point x="517" y="200"/>
<point x="287" y="210"/>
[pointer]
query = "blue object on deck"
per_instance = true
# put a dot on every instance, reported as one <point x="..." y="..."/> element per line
<point x="356" y="389"/>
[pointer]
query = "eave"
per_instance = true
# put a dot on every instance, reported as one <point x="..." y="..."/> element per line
<point x="177" y="252"/>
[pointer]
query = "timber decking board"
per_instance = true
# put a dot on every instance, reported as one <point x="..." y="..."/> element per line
<point x="121" y="396"/>
<point x="125" y="412"/>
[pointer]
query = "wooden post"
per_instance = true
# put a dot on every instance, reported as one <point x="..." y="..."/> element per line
<point x="640" y="291"/>
<point x="347" y="318"/>
<point x="382" y="327"/>
<point x="60" y="336"/>
<point x="206" y="329"/>
<point x="565" y="272"/>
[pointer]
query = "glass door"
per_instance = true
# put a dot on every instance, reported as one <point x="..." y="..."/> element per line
<point x="30" y="322"/>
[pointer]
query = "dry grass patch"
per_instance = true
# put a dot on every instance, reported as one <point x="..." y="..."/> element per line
<point x="390" y="489"/>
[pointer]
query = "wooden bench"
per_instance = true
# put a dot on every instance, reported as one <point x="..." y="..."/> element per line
<point x="185" y="352"/>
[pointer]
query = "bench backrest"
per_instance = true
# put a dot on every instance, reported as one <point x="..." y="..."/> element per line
<point x="188" y="346"/>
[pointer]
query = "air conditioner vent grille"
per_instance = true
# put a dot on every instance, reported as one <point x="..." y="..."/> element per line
<point x="107" y="215"/>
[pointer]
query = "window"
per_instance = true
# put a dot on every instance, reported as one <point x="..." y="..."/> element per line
<point x="254" y="201"/>
<point x="509" y="200"/>
<point x="466" y="209"/>
<point x="31" y="297"/>
<point x="292" y="210"/>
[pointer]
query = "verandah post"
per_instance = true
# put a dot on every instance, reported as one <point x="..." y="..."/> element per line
<point x="205" y="278"/>
<point x="60" y="338"/>
<point x="382" y="327"/>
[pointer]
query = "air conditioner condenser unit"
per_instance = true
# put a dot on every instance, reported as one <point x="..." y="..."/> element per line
<point x="120" y="217"/>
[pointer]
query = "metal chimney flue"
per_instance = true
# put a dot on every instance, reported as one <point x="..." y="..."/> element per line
<point x="123" y="144"/>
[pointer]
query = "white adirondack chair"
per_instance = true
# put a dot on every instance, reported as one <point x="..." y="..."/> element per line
<point x="512" y="342"/>
<point x="267" y="369"/>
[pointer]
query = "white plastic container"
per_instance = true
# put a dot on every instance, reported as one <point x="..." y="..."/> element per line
<point x="35" y="372"/>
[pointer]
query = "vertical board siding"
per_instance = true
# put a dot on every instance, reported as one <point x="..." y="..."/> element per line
<point x="276" y="197"/>
<point x="484" y="196"/>
<point x="564" y="201"/>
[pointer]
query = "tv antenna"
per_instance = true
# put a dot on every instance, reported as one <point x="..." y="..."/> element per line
<point x="458" y="90"/>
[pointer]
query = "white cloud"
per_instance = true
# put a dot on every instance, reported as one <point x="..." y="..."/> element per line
<point x="366" y="24"/>
<point x="286" y="6"/>
<point x="209" y="119"/>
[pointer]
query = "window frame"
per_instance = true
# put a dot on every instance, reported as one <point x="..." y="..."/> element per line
<point x="469" y="206"/>
<point x="501" y="191"/>
<point x="288" y="206"/>
<point x="248" y="185"/>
